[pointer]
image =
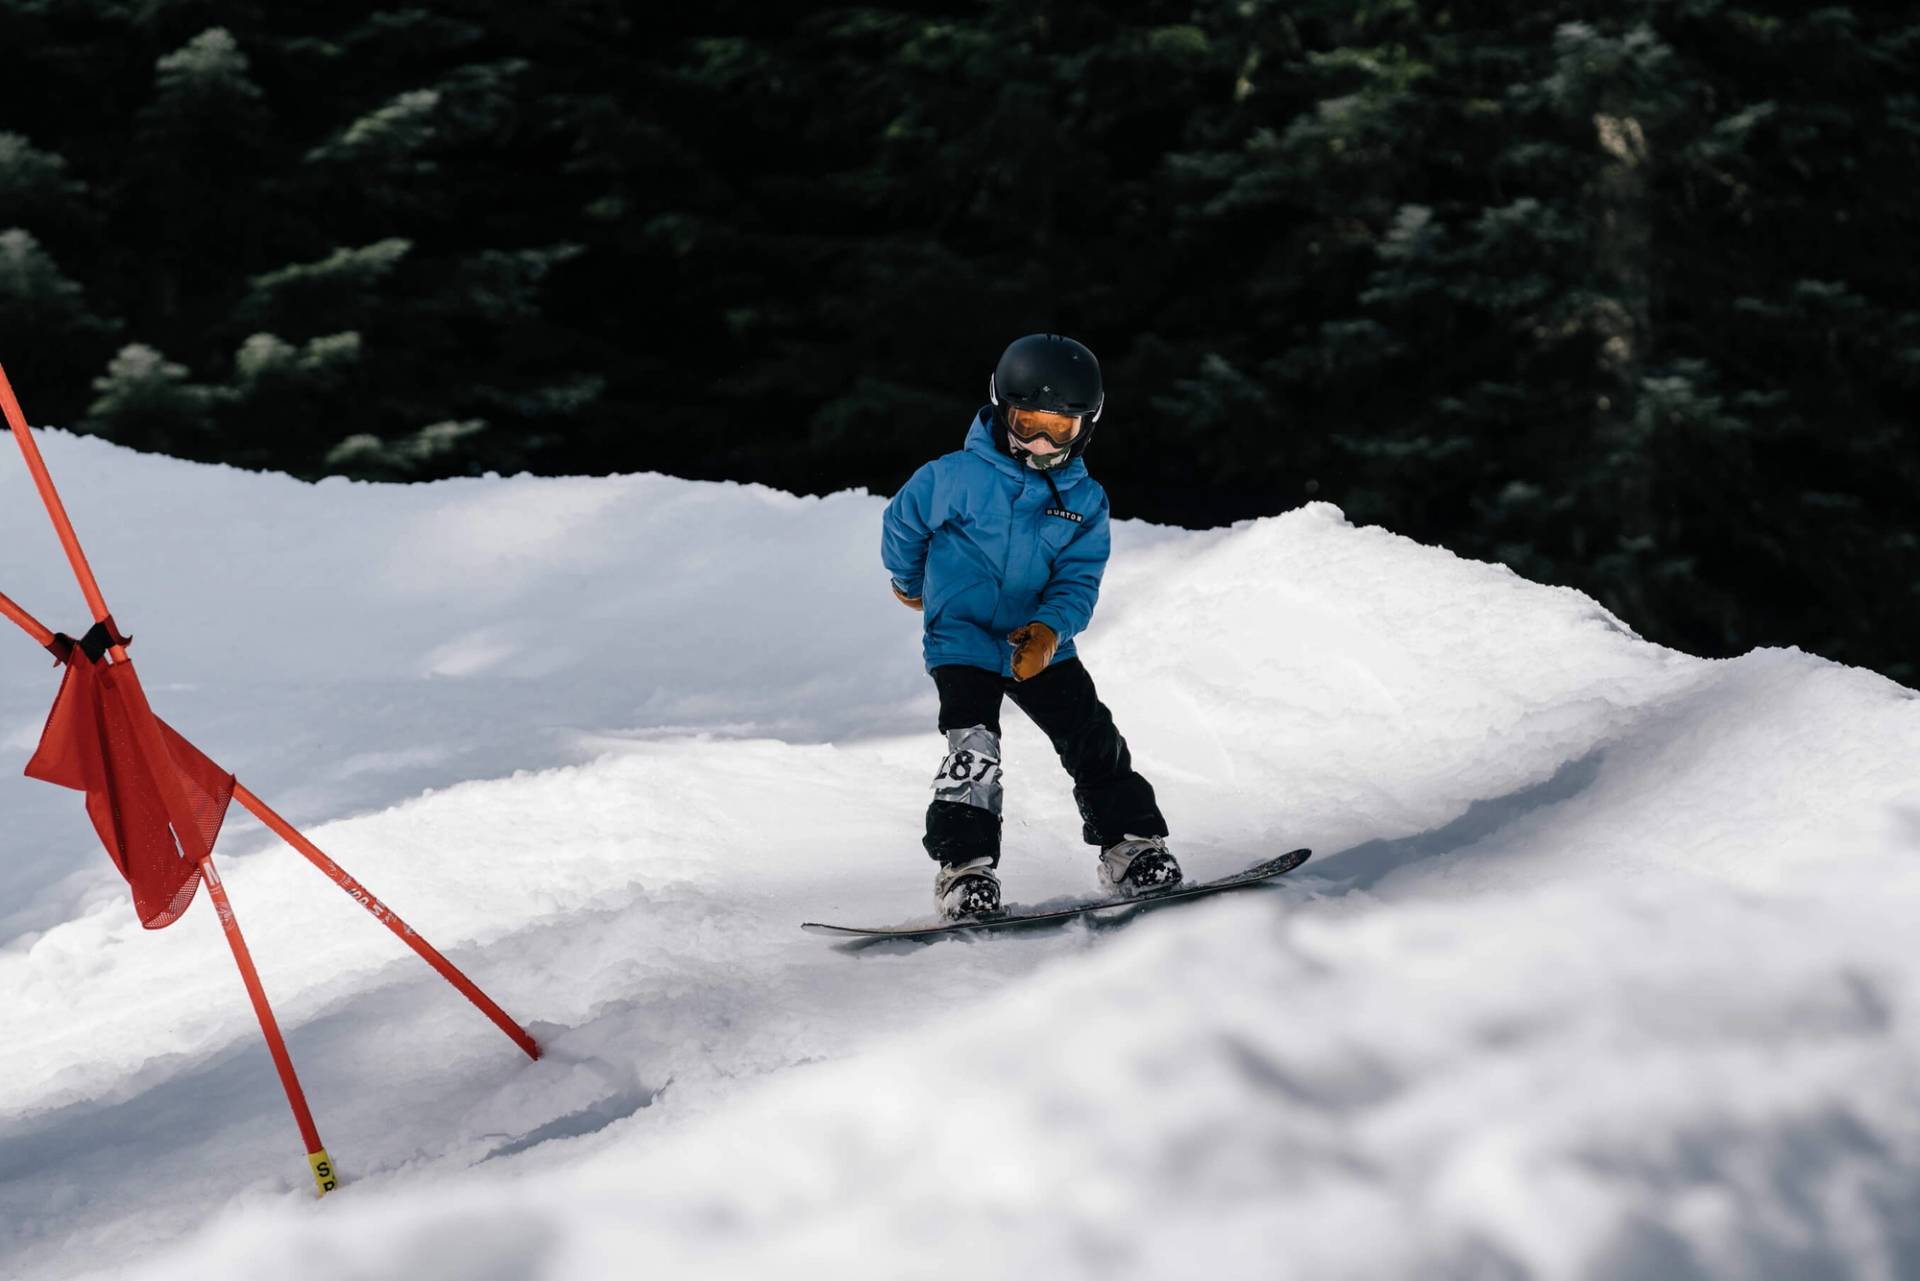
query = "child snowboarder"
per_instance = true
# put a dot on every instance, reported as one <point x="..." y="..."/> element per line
<point x="1002" y="545"/>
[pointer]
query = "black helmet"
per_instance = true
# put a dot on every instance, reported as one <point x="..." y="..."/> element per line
<point x="1051" y="374"/>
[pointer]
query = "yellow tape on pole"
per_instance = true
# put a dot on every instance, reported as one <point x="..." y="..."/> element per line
<point x="324" y="1178"/>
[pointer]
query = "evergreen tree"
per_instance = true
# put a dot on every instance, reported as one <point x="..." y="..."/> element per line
<point x="149" y="402"/>
<point x="46" y="325"/>
<point x="201" y="139"/>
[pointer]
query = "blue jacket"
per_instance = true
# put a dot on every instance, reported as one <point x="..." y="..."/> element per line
<point x="986" y="543"/>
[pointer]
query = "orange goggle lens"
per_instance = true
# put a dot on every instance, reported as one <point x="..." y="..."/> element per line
<point x="1031" y="424"/>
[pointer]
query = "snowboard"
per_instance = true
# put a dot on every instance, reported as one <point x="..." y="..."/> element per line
<point x="1014" y="915"/>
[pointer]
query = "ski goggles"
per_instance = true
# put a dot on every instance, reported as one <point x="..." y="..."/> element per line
<point x="1029" y="425"/>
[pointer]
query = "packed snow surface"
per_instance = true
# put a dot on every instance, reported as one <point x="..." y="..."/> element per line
<point x="1604" y="967"/>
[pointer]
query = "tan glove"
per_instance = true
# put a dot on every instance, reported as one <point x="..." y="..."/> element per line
<point x="911" y="602"/>
<point x="1033" y="647"/>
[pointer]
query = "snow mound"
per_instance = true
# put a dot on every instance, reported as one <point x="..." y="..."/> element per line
<point x="1601" y="969"/>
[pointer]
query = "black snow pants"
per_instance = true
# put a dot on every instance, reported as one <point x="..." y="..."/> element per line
<point x="963" y="822"/>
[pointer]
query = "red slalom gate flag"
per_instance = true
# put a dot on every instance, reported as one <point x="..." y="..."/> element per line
<point x="90" y="745"/>
<point x="158" y="804"/>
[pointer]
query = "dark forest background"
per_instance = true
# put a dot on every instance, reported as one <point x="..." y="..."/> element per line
<point x="1624" y="295"/>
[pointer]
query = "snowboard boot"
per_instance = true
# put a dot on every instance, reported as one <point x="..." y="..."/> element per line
<point x="966" y="889"/>
<point x="1138" y="865"/>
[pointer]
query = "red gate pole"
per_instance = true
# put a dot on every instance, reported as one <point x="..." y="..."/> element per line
<point x="147" y="727"/>
<point x="17" y="423"/>
<point x="324" y="1179"/>
<point x="383" y="914"/>
<point x="337" y="874"/>
<point x="28" y="623"/>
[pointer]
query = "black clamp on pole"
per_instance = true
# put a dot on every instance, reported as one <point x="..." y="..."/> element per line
<point x="100" y="638"/>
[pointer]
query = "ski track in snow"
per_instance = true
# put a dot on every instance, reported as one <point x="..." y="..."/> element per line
<point x="1601" y="969"/>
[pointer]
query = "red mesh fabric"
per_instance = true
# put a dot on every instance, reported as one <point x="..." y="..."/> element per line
<point x="89" y="745"/>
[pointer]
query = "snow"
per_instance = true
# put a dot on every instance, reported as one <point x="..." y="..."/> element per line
<point x="1602" y="969"/>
